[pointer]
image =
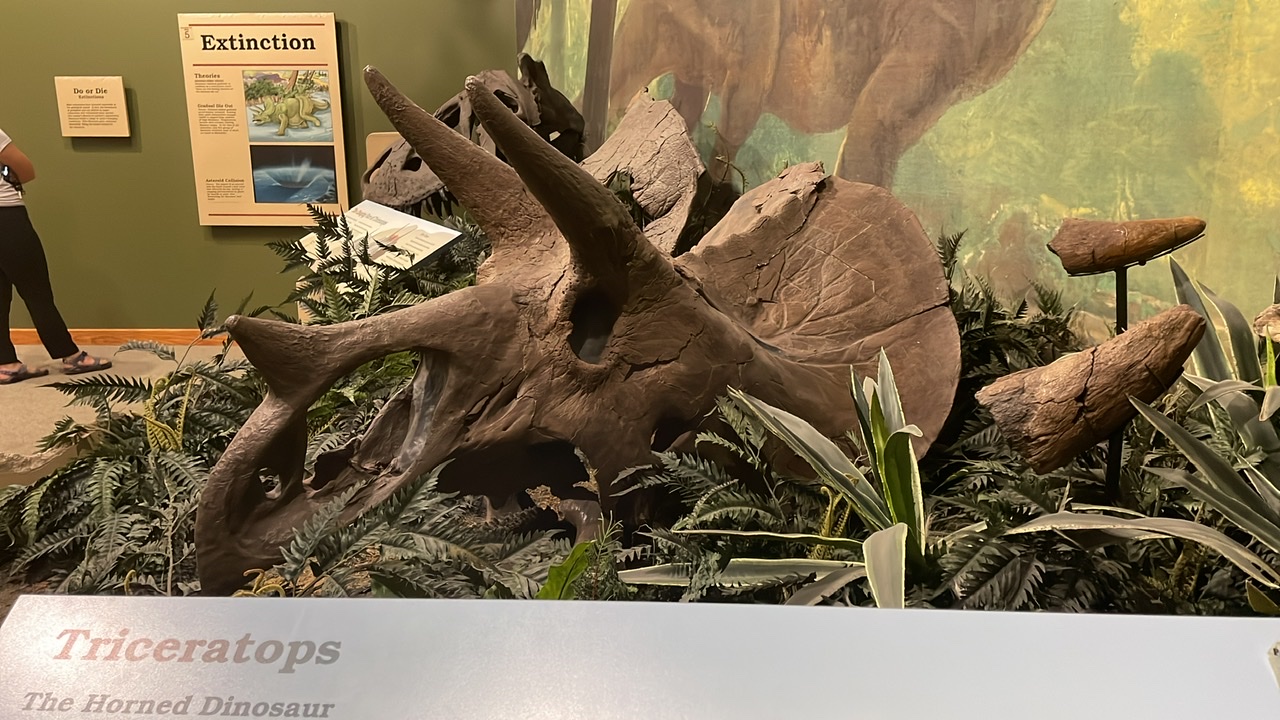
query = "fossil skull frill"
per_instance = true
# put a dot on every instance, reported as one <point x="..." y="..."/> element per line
<point x="580" y="333"/>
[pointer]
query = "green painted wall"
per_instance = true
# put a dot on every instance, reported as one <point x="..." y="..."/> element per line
<point x="118" y="216"/>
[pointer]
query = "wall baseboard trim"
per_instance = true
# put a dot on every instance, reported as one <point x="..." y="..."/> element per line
<point x="119" y="336"/>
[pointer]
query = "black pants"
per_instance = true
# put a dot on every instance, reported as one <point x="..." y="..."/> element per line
<point x="23" y="267"/>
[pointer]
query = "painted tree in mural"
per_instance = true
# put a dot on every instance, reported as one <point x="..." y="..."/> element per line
<point x="884" y="70"/>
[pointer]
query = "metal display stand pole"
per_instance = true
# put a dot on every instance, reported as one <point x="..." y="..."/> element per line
<point x="1115" y="448"/>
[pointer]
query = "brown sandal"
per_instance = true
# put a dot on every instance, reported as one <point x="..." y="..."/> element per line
<point x="75" y="365"/>
<point x="9" y="377"/>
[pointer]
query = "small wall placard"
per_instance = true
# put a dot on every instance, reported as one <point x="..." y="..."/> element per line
<point x="92" y="106"/>
<point x="346" y="659"/>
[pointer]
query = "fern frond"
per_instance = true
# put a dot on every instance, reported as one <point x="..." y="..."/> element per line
<point x="106" y="388"/>
<point x="164" y="352"/>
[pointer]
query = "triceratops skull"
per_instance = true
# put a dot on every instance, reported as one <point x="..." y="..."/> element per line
<point x="581" y="334"/>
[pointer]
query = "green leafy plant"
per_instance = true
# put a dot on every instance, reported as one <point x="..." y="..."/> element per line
<point x="120" y="516"/>
<point x="886" y="497"/>
<point x="417" y="543"/>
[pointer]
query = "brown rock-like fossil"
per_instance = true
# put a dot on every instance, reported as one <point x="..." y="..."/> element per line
<point x="1086" y="247"/>
<point x="580" y="333"/>
<point x="1053" y="413"/>
<point x="1267" y="323"/>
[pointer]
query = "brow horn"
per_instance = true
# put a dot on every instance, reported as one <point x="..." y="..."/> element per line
<point x="486" y="186"/>
<point x="601" y="234"/>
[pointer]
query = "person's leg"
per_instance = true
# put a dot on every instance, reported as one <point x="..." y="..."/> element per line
<point x="8" y="353"/>
<point x="23" y="258"/>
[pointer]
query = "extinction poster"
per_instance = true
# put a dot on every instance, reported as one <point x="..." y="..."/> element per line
<point x="264" y="108"/>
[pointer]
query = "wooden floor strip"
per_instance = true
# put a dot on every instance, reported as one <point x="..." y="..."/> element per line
<point x="119" y="336"/>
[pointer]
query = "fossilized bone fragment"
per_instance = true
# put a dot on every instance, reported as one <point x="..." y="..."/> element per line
<point x="1267" y="323"/>
<point x="1053" y="413"/>
<point x="652" y="146"/>
<point x="580" y="333"/>
<point x="1086" y="247"/>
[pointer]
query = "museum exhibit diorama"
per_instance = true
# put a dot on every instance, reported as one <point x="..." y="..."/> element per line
<point x="729" y="302"/>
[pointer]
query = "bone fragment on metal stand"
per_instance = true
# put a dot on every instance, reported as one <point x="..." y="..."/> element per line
<point x="1088" y="247"/>
<point x="1053" y="413"/>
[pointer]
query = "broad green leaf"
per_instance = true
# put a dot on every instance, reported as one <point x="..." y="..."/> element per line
<point x="1239" y="555"/>
<point x="900" y="478"/>
<point x="886" y="554"/>
<point x="1270" y="379"/>
<point x="1210" y="357"/>
<point x="560" y="578"/>
<point x="739" y="572"/>
<point x="1244" y="346"/>
<point x="819" y="590"/>
<point x="1217" y="471"/>
<point x="831" y="465"/>
<point x="802" y="538"/>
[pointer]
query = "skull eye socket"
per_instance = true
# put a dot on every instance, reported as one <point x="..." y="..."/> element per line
<point x="592" y="318"/>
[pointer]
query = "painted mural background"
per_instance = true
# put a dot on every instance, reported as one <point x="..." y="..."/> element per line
<point x="1111" y="110"/>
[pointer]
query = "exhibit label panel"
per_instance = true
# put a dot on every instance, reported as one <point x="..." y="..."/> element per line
<point x="92" y="106"/>
<point x="487" y="659"/>
<point x="265" y="113"/>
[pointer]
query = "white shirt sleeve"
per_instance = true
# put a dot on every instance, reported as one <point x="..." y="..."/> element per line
<point x="4" y="140"/>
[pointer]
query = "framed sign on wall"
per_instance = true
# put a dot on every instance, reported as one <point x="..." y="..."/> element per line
<point x="92" y="106"/>
<point x="265" y="114"/>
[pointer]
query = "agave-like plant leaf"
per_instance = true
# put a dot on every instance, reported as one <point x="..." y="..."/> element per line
<point x="1244" y="413"/>
<point x="1235" y="511"/>
<point x="1233" y="492"/>
<point x="862" y="408"/>
<point x="801" y="538"/>
<point x="886" y="554"/>
<point x="1265" y="485"/>
<point x="900" y="478"/>
<point x="1236" y="553"/>
<point x="819" y="590"/>
<point x="740" y="572"/>
<point x="1269" y="380"/>
<point x="832" y="466"/>
<point x="1244" y="346"/>
<point x="1270" y="403"/>
<point x="1210" y="357"/>
<point x="1260" y="601"/>
<point x="1219" y="389"/>
<point x="890" y="402"/>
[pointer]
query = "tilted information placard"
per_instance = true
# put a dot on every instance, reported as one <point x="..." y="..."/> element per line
<point x="98" y="657"/>
<point x="265" y="111"/>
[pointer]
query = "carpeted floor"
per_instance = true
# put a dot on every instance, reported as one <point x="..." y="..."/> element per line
<point x="29" y="409"/>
